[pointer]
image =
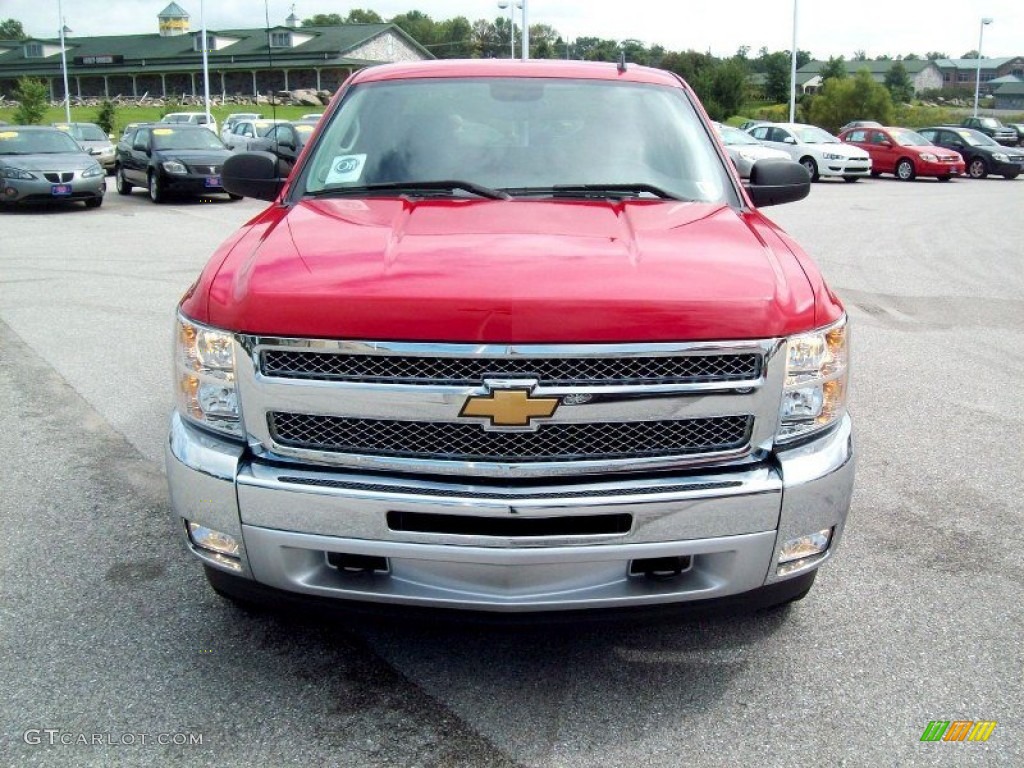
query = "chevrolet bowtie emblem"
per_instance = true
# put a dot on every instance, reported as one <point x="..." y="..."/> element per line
<point x="513" y="407"/>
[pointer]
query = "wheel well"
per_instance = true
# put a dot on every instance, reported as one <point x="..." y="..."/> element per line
<point x="805" y="158"/>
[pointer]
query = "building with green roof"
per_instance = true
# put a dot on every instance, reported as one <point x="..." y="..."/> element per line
<point x="923" y="73"/>
<point x="963" y="73"/>
<point x="242" y="62"/>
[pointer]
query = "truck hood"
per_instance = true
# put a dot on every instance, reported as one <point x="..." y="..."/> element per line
<point x="510" y="272"/>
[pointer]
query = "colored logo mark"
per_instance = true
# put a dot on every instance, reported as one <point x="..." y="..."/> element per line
<point x="958" y="730"/>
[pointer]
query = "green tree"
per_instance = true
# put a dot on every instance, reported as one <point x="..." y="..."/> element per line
<point x="899" y="84"/>
<point x="361" y="16"/>
<point x="33" y="97"/>
<point x="859" y="55"/>
<point x="323" y="20"/>
<point x="722" y="88"/>
<point x="776" y="86"/>
<point x="971" y="54"/>
<point x="834" y="67"/>
<point x="420" y="27"/>
<point x="106" y="117"/>
<point x="11" y="29"/>
<point x="851" y="98"/>
<point x="455" y="39"/>
<point x="933" y="55"/>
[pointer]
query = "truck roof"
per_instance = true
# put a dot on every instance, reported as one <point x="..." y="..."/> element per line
<point x="540" y="68"/>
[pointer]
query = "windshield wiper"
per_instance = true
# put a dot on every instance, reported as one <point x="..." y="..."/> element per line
<point x="602" y="191"/>
<point x="413" y="187"/>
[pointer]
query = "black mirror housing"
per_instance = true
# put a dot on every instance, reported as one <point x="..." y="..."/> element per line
<point x="773" y="182"/>
<point x="253" y="174"/>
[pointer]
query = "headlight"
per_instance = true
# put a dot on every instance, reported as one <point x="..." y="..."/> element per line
<point x="89" y="173"/>
<point x="928" y="157"/>
<point x="814" y="395"/>
<point x="832" y="156"/>
<point x="204" y="377"/>
<point x="750" y="157"/>
<point x="174" y="166"/>
<point x="1001" y="157"/>
<point x="15" y="173"/>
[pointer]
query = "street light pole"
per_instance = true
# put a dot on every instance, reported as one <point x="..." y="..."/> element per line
<point x="792" y="70"/>
<point x="206" y="62"/>
<point x="64" y="64"/>
<point x="985" y="21"/>
<point x="525" y="45"/>
<point x="511" y="5"/>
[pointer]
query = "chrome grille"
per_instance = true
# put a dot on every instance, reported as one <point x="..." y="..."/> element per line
<point x="448" y="441"/>
<point x="571" y="371"/>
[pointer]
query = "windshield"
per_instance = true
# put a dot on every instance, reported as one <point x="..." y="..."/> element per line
<point x="909" y="139"/>
<point x="808" y="134"/>
<point x="990" y="122"/>
<point x="83" y="131"/>
<point x="185" y="138"/>
<point x="732" y="137"/>
<point x="521" y="135"/>
<point x="976" y="139"/>
<point x="48" y="142"/>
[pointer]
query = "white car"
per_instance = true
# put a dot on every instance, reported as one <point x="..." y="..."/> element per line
<point x="744" y="150"/>
<point x="236" y="117"/>
<point x="246" y="132"/>
<point x="193" y="118"/>
<point x="821" y="153"/>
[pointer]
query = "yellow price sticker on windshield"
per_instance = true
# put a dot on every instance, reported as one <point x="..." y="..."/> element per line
<point x="163" y="131"/>
<point x="8" y="135"/>
<point x="63" y="127"/>
<point x="304" y="128"/>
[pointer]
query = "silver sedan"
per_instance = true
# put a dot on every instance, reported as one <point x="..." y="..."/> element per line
<point x="744" y="150"/>
<point x="44" y="165"/>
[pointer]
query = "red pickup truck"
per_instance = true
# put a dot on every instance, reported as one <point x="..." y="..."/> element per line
<point x="512" y="336"/>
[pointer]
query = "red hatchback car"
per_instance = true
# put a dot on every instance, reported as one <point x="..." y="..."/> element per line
<point x="904" y="154"/>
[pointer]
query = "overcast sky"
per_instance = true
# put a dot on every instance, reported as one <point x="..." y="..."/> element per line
<point x="721" y="26"/>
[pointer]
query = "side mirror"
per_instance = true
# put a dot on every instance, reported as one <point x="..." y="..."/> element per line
<point x="139" y="147"/>
<point x="253" y="174"/>
<point x="789" y="140"/>
<point x="773" y="182"/>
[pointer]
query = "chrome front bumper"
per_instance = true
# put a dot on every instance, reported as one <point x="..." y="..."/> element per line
<point x="728" y="525"/>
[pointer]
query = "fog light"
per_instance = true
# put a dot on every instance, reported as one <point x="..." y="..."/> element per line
<point x="801" y="551"/>
<point x="213" y="541"/>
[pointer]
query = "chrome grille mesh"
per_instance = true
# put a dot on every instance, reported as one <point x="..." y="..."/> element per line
<point x="468" y="442"/>
<point x="471" y="371"/>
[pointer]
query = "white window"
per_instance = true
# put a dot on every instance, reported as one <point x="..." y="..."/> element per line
<point x="33" y="50"/>
<point x="280" y="40"/>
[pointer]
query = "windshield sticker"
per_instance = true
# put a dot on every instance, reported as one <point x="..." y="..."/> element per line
<point x="8" y="135"/>
<point x="63" y="127"/>
<point x="163" y="131"/>
<point x="304" y="128"/>
<point x="346" y="168"/>
<point x="964" y="134"/>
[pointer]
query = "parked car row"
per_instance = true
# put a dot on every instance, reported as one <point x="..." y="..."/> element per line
<point x="864" y="147"/>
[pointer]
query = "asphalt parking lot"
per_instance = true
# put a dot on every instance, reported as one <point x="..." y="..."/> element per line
<point x="112" y="637"/>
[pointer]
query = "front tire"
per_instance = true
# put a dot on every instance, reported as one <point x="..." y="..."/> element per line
<point x="905" y="170"/>
<point x="233" y="196"/>
<point x="94" y="202"/>
<point x="811" y="166"/>
<point x="851" y="179"/>
<point x="156" y="188"/>
<point x="1010" y="176"/>
<point x="122" y="184"/>
<point x="977" y="168"/>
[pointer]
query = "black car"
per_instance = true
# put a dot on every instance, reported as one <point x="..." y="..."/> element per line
<point x="286" y="140"/>
<point x="982" y="154"/>
<point x="1018" y="128"/>
<point x="168" y="158"/>
<point x="992" y="128"/>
